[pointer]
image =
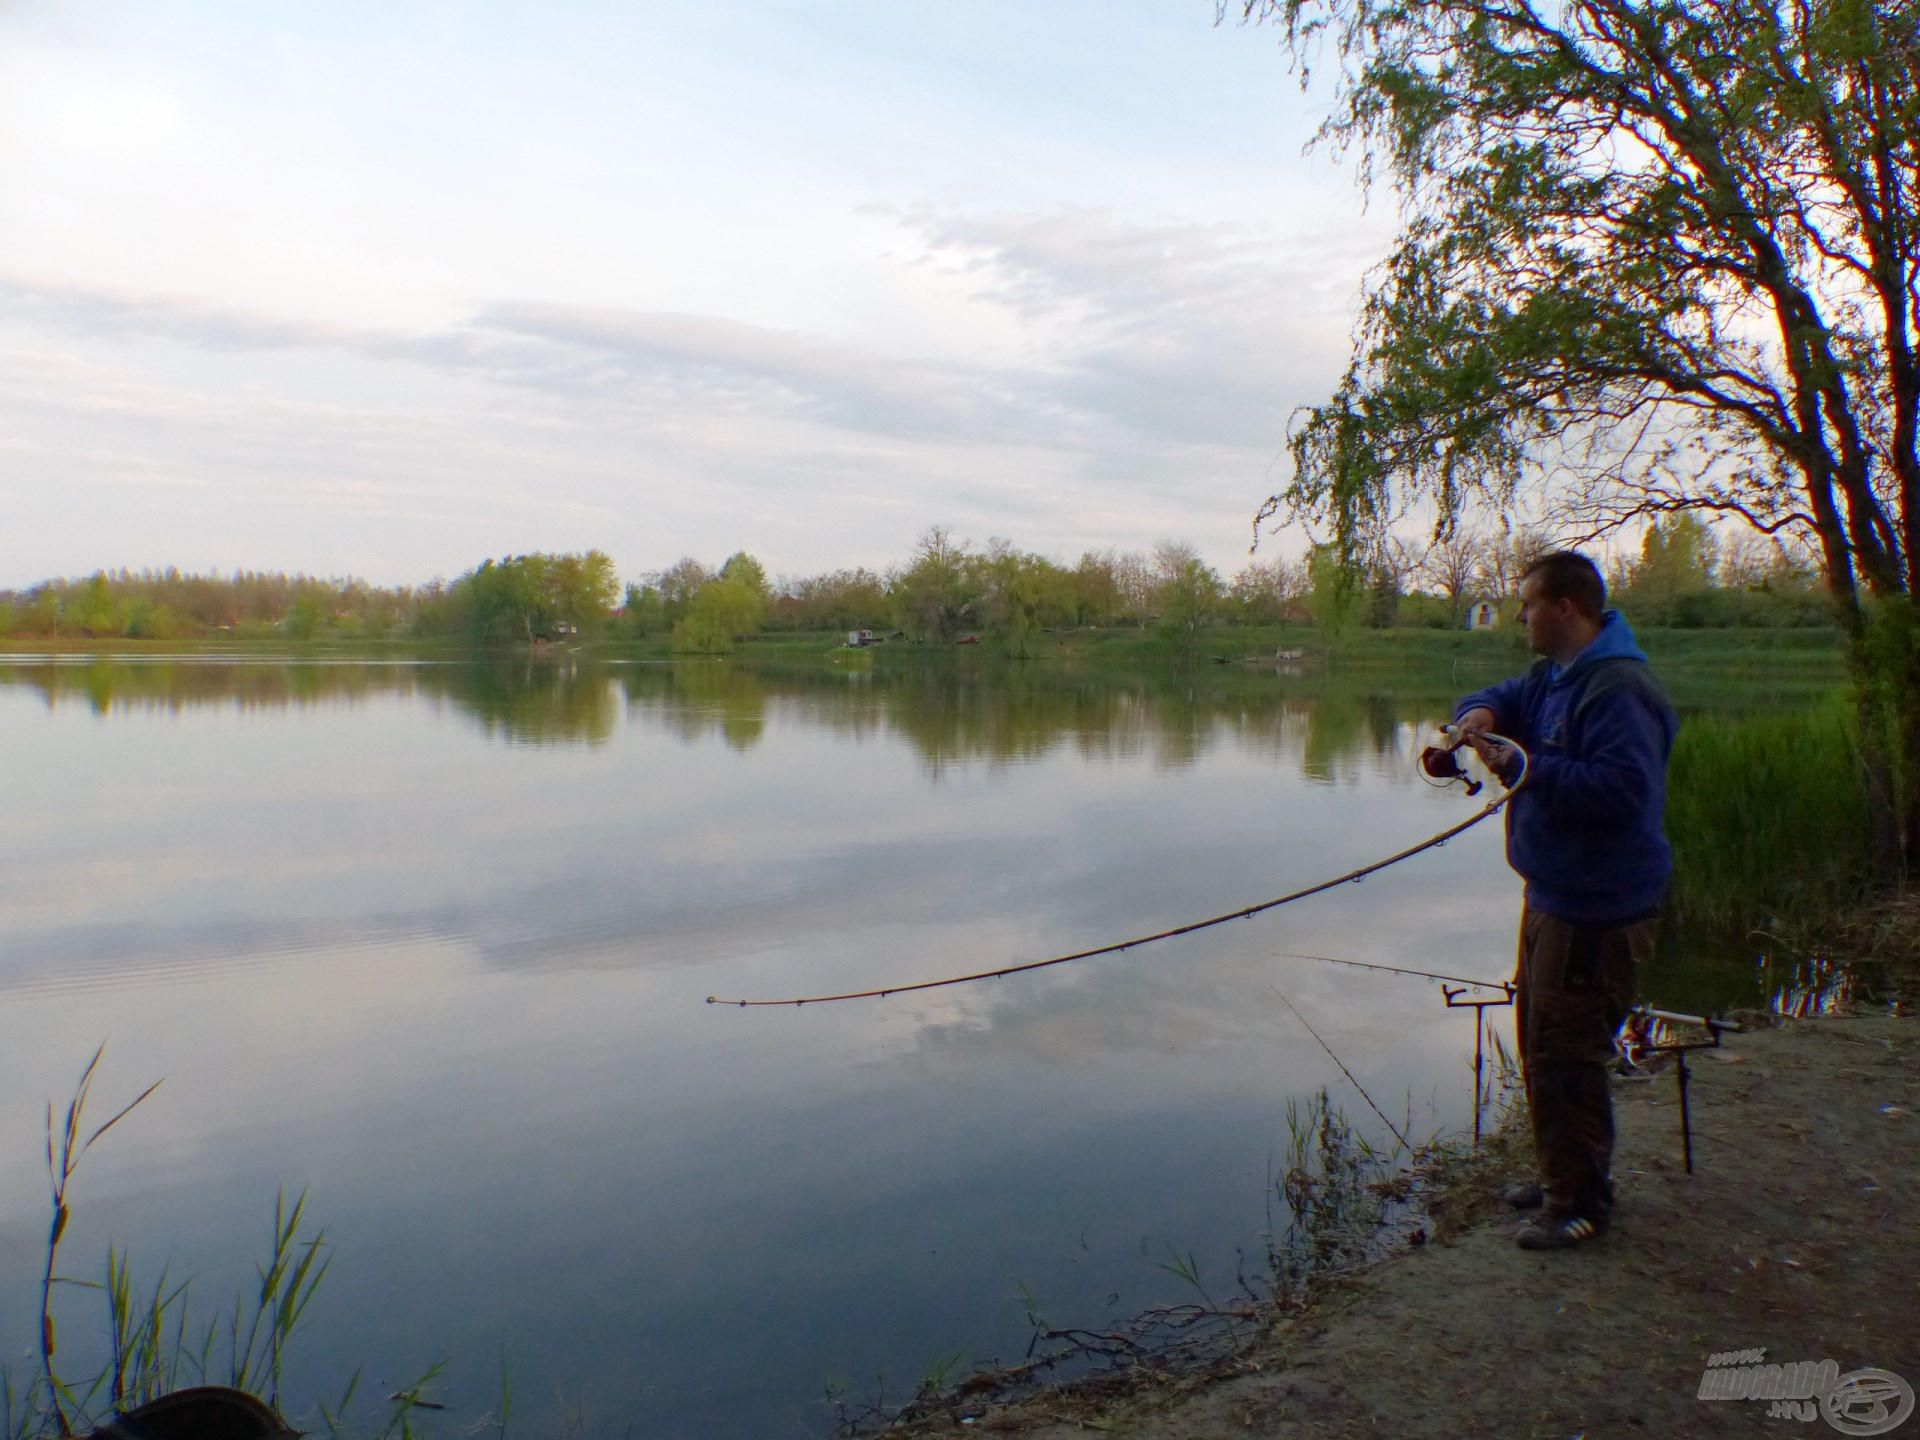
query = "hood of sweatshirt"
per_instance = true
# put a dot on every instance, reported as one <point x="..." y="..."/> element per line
<point x="1614" y="641"/>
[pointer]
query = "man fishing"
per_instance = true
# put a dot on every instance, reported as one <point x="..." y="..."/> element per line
<point x="1584" y="832"/>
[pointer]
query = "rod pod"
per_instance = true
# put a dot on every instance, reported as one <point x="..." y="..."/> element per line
<point x="1678" y="1049"/>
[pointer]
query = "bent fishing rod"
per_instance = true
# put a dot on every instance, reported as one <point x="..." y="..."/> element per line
<point x="1439" y="763"/>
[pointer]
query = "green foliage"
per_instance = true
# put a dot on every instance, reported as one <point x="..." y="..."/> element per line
<point x="1016" y="591"/>
<point x="645" y="610"/>
<point x="1655" y="259"/>
<point x="936" y="596"/>
<point x="1382" y="600"/>
<point x="838" y="600"/>
<point x="722" y="611"/>
<point x="304" y="619"/>
<point x="1426" y="612"/>
<point x="167" y="604"/>
<point x="1263" y="592"/>
<point x="1887" y="682"/>
<point x="524" y="598"/>
<point x="1095" y="587"/>
<point x="1768" y="818"/>
<point x="94" y="611"/>
<point x="701" y="635"/>
<point x="1189" y="594"/>
<point x="1022" y="603"/>
<point x="743" y="569"/>
<point x="1675" y="571"/>
<point x="677" y="586"/>
<point x="1335" y="597"/>
<point x="148" y="620"/>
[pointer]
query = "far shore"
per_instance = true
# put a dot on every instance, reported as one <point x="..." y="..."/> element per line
<point x="1818" y="647"/>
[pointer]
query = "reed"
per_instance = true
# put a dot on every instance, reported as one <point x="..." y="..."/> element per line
<point x="60" y="1400"/>
<point x="1337" y="1188"/>
<point x="1767" y="815"/>
<point x="152" y="1344"/>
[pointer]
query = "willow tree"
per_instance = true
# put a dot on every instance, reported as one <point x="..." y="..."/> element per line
<point x="1653" y="258"/>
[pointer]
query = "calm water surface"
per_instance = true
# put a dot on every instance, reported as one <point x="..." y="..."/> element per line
<point x="432" y="942"/>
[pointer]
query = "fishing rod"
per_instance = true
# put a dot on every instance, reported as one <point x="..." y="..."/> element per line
<point x="1396" y="970"/>
<point x="1495" y="993"/>
<point x="1440" y="762"/>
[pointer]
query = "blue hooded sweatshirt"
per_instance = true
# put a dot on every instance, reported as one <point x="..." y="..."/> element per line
<point x="1584" y="831"/>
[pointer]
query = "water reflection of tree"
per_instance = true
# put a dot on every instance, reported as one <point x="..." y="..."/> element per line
<point x="531" y="701"/>
<point x="696" y="698"/>
<point x="171" y="686"/>
<point x="949" y="715"/>
<point x="1011" y="714"/>
<point x="1344" y="725"/>
<point x="524" y="701"/>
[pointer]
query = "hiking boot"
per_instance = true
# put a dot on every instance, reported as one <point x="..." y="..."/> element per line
<point x="1559" y="1232"/>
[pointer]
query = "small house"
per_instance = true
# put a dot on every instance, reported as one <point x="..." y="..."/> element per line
<point x="859" y="638"/>
<point x="1482" y="615"/>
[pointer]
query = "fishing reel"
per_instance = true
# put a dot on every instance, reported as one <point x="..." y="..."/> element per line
<point x="1505" y="759"/>
<point x="1442" y="762"/>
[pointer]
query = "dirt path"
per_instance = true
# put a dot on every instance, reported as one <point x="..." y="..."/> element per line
<point x="1800" y="1233"/>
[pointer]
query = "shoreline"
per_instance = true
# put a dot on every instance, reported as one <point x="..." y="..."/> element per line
<point x="1793" y="1236"/>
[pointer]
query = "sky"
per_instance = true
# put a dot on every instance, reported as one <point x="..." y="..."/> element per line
<point x="386" y="289"/>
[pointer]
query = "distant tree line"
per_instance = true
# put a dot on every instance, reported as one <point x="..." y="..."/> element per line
<point x="948" y="590"/>
<point x="168" y="604"/>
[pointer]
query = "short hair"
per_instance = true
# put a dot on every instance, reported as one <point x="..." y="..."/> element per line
<point x="1569" y="575"/>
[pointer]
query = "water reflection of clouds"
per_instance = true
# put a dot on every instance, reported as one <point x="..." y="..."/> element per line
<point x="457" y="987"/>
<point x="1195" y="994"/>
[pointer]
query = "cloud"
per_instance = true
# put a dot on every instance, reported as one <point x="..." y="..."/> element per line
<point x="1186" y="334"/>
<point x="109" y="311"/>
<point x="737" y="365"/>
<point x="1071" y="378"/>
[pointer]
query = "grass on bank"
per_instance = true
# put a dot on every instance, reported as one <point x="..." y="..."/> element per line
<point x="1767" y="815"/>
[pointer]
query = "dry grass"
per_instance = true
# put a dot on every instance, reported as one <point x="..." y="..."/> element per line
<point x="1886" y="929"/>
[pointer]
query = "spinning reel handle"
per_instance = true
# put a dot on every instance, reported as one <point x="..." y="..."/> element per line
<point x="1442" y="762"/>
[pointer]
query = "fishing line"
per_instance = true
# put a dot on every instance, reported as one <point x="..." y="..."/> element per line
<point x="1395" y="970"/>
<point x="1343" y="1069"/>
<point x="1352" y="877"/>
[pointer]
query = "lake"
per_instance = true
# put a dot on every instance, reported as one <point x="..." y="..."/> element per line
<point x="432" y="942"/>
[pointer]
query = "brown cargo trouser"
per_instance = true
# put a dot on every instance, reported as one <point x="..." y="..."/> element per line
<point x="1573" y="989"/>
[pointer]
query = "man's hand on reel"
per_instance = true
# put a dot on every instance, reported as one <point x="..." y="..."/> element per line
<point x="1474" y="731"/>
